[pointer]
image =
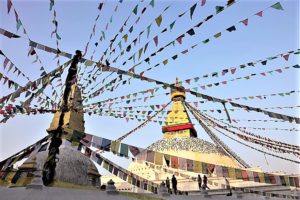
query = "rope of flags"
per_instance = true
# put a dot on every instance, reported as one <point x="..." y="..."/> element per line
<point x="224" y="71"/>
<point x="100" y="6"/>
<point x="24" y="153"/>
<point x="155" y="39"/>
<point x="31" y="50"/>
<point x="179" y="40"/>
<point x="131" y="29"/>
<point x="214" y="74"/>
<point x="210" y="98"/>
<point x="257" y="139"/>
<point x="158" y="20"/>
<point x="232" y="70"/>
<point x="44" y="80"/>
<point x="119" y="171"/>
<point x="196" y="103"/>
<point x="175" y="162"/>
<point x="248" y="77"/>
<point x="152" y="108"/>
<point x="201" y="119"/>
<point x="7" y="62"/>
<point x="149" y="118"/>
<point x="108" y="68"/>
<point x="102" y="37"/>
<point x="125" y="36"/>
<point x="111" y="41"/>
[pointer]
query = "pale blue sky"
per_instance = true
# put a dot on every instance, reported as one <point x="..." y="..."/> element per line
<point x="274" y="33"/>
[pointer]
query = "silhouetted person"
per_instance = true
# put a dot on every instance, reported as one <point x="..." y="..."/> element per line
<point x="174" y="184"/>
<point x="168" y="184"/>
<point x="204" y="186"/>
<point x="199" y="180"/>
<point x="228" y="187"/>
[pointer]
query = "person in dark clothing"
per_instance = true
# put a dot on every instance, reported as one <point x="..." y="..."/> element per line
<point x="204" y="186"/>
<point x="228" y="187"/>
<point x="168" y="184"/>
<point x="199" y="180"/>
<point x="174" y="184"/>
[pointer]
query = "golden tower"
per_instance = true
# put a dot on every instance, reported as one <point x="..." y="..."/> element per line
<point x="178" y="123"/>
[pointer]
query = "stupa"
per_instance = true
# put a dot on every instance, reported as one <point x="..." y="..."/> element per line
<point x="180" y="139"/>
<point x="58" y="158"/>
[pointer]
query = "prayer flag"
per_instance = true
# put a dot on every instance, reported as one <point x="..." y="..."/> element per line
<point x="245" y="22"/>
<point x="277" y="6"/>
<point x="260" y="13"/>
<point x="230" y="29"/>
<point x="192" y="10"/>
<point x="135" y="9"/>
<point x="155" y="40"/>
<point x="158" y="20"/>
<point x="219" y="9"/>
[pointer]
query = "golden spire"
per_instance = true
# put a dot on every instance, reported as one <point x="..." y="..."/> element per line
<point x="178" y="123"/>
<point x="178" y="94"/>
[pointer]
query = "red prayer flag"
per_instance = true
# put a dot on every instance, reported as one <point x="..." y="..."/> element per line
<point x="179" y="39"/>
<point x="196" y="104"/>
<point x="156" y="40"/>
<point x="203" y="87"/>
<point x="188" y="81"/>
<point x="278" y="70"/>
<point x="9" y="4"/>
<point x="233" y="70"/>
<point x="203" y="2"/>
<point x="260" y="13"/>
<point x="224" y="82"/>
<point x="245" y="22"/>
<point x="6" y="60"/>
<point x="185" y="51"/>
<point x="286" y="57"/>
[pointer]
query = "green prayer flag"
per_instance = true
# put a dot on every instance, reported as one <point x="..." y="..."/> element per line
<point x="18" y="25"/>
<point x="110" y="19"/>
<point x="219" y="9"/>
<point x="148" y="31"/>
<point x="205" y="41"/>
<point x="277" y="6"/>
<point x="51" y="4"/>
<point x="152" y="3"/>
<point x="120" y="45"/>
<point x="58" y="37"/>
<point x="140" y="52"/>
<point x="152" y="107"/>
<point x="135" y="9"/>
<point x="172" y="25"/>
<point x="158" y="20"/>
<point x="103" y="34"/>
<point x="165" y="62"/>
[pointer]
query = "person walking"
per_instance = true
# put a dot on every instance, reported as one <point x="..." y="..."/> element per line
<point x="228" y="187"/>
<point x="168" y="184"/>
<point x="199" y="179"/>
<point x="204" y="186"/>
<point x="174" y="184"/>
